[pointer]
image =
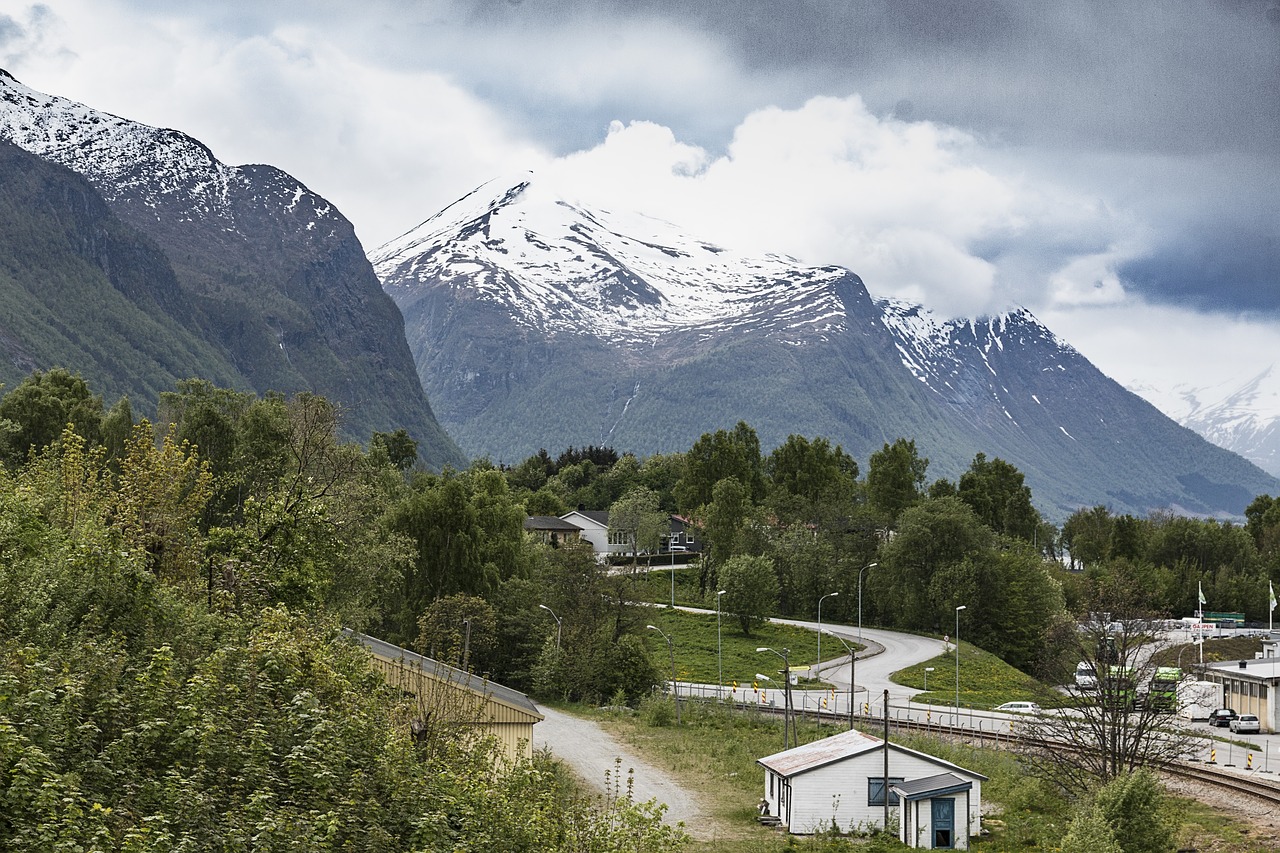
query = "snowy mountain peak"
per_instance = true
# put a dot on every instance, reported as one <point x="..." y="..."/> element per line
<point x="934" y="349"/>
<point x="158" y="173"/>
<point x="564" y="266"/>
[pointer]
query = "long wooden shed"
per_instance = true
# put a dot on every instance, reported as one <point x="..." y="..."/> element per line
<point x="475" y="706"/>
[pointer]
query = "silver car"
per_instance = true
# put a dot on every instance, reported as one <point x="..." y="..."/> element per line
<point x="1245" y="724"/>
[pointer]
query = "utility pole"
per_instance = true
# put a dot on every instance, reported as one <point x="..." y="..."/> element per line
<point x="886" y="762"/>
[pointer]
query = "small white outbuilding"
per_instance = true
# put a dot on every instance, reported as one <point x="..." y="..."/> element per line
<point x="840" y="781"/>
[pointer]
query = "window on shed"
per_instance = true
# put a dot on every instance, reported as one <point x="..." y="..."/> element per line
<point x="876" y="790"/>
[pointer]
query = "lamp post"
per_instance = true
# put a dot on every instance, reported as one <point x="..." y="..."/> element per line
<point x="958" y="609"/>
<point x="820" y="600"/>
<point x="675" y="689"/>
<point x="860" y="571"/>
<point x="786" y="705"/>
<point x="719" y="652"/>
<point x="558" y="623"/>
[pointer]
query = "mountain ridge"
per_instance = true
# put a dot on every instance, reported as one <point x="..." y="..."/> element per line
<point x="508" y="310"/>
<point x="273" y="274"/>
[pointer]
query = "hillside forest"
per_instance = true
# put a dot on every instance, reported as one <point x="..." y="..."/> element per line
<point x="173" y="672"/>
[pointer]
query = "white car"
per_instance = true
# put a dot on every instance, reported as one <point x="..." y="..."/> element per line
<point x="1245" y="723"/>
<point x="1019" y="708"/>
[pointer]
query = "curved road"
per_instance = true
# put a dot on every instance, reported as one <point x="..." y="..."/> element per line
<point x="591" y="752"/>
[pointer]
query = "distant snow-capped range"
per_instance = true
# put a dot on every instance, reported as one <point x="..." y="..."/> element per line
<point x="555" y="266"/>
<point x="1242" y="416"/>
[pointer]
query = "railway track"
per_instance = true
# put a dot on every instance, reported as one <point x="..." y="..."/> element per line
<point x="1251" y="784"/>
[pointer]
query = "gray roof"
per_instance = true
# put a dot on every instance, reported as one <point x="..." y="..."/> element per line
<point x="599" y="516"/>
<point x="474" y="683"/>
<point x="549" y="522"/>
<point x="931" y="786"/>
<point x="842" y="747"/>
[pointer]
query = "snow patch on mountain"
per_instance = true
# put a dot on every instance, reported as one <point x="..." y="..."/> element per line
<point x="164" y="170"/>
<point x="936" y="351"/>
<point x="560" y="266"/>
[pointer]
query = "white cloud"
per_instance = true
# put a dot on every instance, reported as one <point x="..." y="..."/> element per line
<point x="388" y="147"/>
<point x="1162" y="352"/>
<point x="910" y="206"/>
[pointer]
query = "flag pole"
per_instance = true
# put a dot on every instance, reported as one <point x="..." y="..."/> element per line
<point x="1200" y="621"/>
<point x="1271" y="611"/>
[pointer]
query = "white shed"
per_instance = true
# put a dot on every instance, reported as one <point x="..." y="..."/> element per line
<point x="840" y="781"/>
<point x="929" y="809"/>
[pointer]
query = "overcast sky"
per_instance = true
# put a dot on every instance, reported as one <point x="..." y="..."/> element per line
<point x="1113" y="166"/>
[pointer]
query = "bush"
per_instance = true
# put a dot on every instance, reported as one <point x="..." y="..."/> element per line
<point x="657" y="711"/>
<point x="1134" y="806"/>
<point x="1090" y="833"/>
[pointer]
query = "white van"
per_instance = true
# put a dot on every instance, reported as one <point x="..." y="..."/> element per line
<point x="1086" y="676"/>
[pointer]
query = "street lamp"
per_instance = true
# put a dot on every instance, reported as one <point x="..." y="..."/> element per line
<point x="786" y="704"/>
<point x="820" y="600"/>
<point x="958" y="609"/>
<point x="719" y="653"/>
<point x="558" y="623"/>
<point x="860" y="571"/>
<point x="675" y="689"/>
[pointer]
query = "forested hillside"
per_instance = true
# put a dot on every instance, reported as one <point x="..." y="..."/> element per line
<point x="172" y="592"/>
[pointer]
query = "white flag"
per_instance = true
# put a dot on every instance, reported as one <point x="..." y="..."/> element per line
<point x="1202" y="599"/>
<point x="1273" y="595"/>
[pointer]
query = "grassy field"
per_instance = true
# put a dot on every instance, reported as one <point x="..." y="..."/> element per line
<point x="715" y="750"/>
<point x="985" y="681"/>
<point x="694" y="639"/>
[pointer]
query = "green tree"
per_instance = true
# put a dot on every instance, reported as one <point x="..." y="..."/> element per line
<point x="636" y="519"/>
<point x="932" y="536"/>
<point x="40" y="407"/>
<point x="1087" y="536"/>
<point x="401" y="450"/>
<point x="723" y="523"/>
<point x="460" y="630"/>
<point x="1089" y="832"/>
<point x="895" y="478"/>
<point x="751" y="590"/>
<point x="996" y="491"/>
<point x="804" y="475"/>
<point x="718" y="456"/>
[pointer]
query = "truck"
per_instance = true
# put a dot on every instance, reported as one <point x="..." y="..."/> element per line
<point x="1162" y="692"/>
<point x="1197" y="699"/>
<point x="1118" y="689"/>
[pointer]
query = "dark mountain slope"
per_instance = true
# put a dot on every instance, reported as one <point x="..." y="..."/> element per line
<point x="81" y="289"/>
<point x="272" y="274"/>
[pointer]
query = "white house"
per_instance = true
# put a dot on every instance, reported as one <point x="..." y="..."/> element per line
<point x="594" y="525"/>
<point x="840" y="780"/>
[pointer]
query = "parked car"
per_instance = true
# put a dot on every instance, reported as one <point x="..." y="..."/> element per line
<point x="1246" y="723"/>
<point x="1222" y="717"/>
<point x="1019" y="708"/>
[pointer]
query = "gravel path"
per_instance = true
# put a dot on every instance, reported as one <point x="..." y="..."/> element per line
<point x="590" y="751"/>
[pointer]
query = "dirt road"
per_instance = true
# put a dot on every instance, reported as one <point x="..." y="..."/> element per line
<point x="590" y="752"/>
